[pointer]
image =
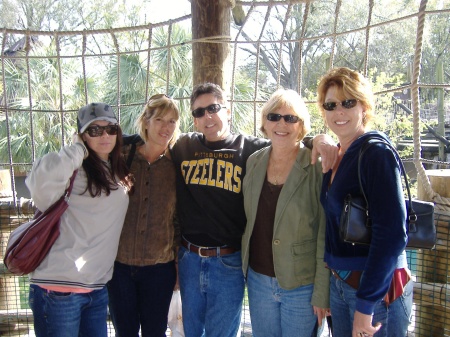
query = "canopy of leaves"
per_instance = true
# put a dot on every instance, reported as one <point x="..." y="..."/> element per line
<point x="287" y="46"/>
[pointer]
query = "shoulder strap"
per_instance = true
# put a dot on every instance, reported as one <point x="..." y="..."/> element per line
<point x="131" y="155"/>
<point x="131" y="140"/>
<point x="379" y="140"/>
<point x="69" y="189"/>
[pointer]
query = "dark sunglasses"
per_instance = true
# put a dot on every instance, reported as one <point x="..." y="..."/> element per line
<point x="212" y="109"/>
<point x="97" y="130"/>
<point x="348" y="104"/>
<point x="277" y="117"/>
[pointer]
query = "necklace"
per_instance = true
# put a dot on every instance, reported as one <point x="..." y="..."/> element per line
<point x="276" y="173"/>
<point x="278" y="169"/>
<point x="277" y="178"/>
<point x="149" y="158"/>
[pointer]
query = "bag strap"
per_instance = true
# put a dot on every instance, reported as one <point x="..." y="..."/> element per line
<point x="131" y="140"/>
<point x="412" y="217"/>
<point x="69" y="189"/>
<point x="131" y="155"/>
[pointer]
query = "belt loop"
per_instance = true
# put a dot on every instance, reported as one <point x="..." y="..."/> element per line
<point x="218" y="251"/>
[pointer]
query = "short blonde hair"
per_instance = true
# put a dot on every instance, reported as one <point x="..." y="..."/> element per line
<point x="350" y="84"/>
<point x="158" y="106"/>
<point x="292" y="100"/>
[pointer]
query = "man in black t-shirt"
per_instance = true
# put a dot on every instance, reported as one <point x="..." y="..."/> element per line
<point x="210" y="168"/>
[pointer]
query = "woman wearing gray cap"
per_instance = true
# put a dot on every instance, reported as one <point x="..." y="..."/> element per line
<point x="68" y="296"/>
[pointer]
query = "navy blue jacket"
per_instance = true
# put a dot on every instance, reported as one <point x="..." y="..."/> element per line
<point x="381" y="180"/>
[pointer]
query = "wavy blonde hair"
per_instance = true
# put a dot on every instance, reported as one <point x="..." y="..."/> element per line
<point x="158" y="106"/>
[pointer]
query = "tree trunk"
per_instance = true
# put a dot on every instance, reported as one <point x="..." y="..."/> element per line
<point x="211" y="60"/>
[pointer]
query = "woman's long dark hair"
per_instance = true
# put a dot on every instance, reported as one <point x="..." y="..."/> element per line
<point x="104" y="177"/>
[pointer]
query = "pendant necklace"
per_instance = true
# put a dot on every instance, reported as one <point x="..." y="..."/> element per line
<point x="148" y="161"/>
<point x="279" y="170"/>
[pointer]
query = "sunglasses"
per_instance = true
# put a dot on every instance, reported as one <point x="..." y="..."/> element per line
<point x="97" y="130"/>
<point x="277" y="117"/>
<point x="348" y="104"/>
<point x="212" y="109"/>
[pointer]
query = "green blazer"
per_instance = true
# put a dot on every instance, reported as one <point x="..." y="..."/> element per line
<point x="299" y="229"/>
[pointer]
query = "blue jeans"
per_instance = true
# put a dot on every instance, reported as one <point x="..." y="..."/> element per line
<point x="276" y="312"/>
<point x="139" y="297"/>
<point x="59" y="314"/>
<point x="394" y="319"/>
<point x="212" y="290"/>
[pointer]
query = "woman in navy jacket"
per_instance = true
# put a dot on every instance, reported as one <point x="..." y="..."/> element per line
<point x="370" y="289"/>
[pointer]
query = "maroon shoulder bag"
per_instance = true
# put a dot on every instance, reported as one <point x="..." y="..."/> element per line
<point x="30" y="243"/>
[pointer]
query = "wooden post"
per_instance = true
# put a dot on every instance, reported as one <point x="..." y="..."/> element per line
<point x="14" y="321"/>
<point x="440" y="108"/>
<point x="432" y="291"/>
<point x="211" y="60"/>
<point x="9" y="285"/>
<point x="5" y="184"/>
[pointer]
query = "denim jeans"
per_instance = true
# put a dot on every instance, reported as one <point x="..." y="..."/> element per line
<point x="394" y="319"/>
<point x="139" y="297"/>
<point x="212" y="290"/>
<point x="59" y="314"/>
<point x="276" y="312"/>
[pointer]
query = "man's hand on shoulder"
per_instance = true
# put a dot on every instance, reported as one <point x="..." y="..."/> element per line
<point x="325" y="147"/>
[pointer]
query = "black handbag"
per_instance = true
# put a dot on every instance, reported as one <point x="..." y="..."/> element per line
<point x="355" y="222"/>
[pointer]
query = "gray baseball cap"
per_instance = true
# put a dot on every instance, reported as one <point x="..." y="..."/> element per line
<point x="94" y="112"/>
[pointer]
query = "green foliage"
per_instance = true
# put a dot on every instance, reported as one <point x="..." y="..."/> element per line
<point x="435" y="48"/>
<point x="129" y="77"/>
<point x="246" y="117"/>
<point x="317" y="120"/>
<point x="176" y="63"/>
<point x="137" y="82"/>
<point x="391" y="46"/>
<point x="37" y="93"/>
<point x="37" y="89"/>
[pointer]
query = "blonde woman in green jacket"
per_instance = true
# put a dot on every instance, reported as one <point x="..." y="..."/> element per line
<point x="283" y="244"/>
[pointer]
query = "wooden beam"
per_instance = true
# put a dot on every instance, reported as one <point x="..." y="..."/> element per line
<point x="432" y="294"/>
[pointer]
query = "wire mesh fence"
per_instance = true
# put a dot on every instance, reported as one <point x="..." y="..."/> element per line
<point x="47" y="76"/>
<point x="430" y="270"/>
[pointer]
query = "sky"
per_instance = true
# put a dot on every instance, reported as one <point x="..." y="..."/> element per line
<point x="164" y="10"/>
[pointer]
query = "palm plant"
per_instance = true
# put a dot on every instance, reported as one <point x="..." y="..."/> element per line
<point x="169" y="72"/>
<point x="131" y="73"/>
<point x="246" y="115"/>
<point x="41" y="118"/>
<point x="176" y="61"/>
